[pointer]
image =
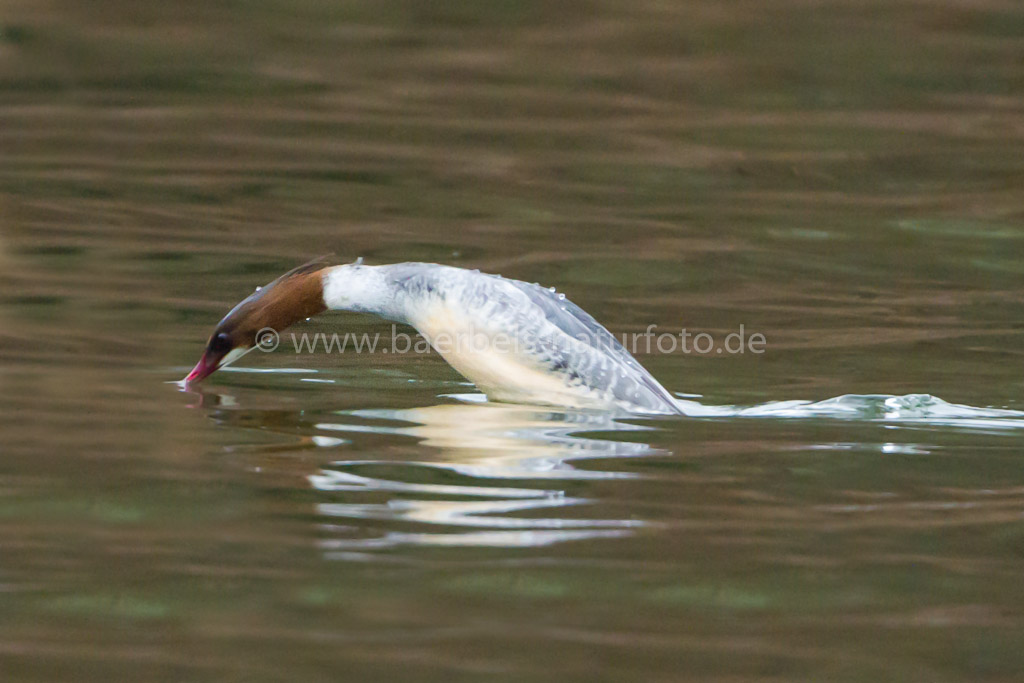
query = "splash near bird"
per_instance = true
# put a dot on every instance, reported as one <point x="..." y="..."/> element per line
<point x="518" y="342"/>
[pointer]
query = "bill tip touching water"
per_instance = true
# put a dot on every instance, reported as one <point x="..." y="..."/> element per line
<point x="517" y="342"/>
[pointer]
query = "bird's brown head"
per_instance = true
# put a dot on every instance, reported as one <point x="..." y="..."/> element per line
<point x="295" y="296"/>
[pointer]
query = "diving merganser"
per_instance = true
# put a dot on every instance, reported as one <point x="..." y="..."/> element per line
<point x="518" y="342"/>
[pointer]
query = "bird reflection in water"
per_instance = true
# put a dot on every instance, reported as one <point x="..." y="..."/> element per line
<point x="484" y="475"/>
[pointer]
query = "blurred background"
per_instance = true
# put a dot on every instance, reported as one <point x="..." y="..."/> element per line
<point x="842" y="176"/>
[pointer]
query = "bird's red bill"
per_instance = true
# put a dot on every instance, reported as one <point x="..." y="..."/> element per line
<point x="203" y="369"/>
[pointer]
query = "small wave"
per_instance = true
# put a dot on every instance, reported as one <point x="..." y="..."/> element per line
<point x="912" y="408"/>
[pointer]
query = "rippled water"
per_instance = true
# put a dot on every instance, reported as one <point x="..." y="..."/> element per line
<point x="842" y="177"/>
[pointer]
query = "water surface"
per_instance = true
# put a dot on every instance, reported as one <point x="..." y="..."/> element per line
<point x="842" y="177"/>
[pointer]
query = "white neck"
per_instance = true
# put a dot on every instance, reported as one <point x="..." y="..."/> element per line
<point x="363" y="289"/>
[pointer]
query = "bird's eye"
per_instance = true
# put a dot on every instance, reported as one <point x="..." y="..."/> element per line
<point x="220" y="343"/>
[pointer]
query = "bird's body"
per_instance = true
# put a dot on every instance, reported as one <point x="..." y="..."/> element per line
<point x="516" y="341"/>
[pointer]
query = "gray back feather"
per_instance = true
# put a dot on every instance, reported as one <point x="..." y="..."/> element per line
<point x="580" y="325"/>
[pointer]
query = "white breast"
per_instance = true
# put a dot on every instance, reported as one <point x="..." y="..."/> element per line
<point x="495" y="360"/>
